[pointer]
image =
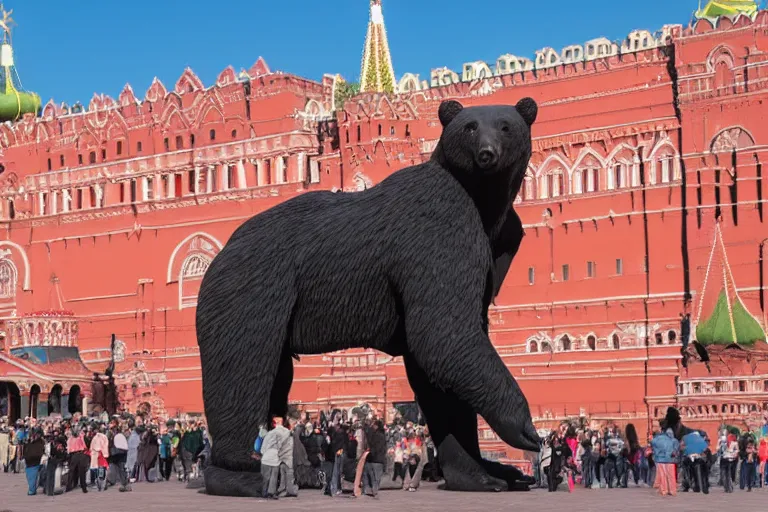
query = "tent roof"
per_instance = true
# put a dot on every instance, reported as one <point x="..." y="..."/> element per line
<point x="717" y="328"/>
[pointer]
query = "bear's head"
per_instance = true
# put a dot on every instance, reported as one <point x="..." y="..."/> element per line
<point x="487" y="149"/>
<point x="485" y="140"/>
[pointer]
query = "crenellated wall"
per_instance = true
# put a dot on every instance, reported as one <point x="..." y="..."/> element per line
<point x="573" y="59"/>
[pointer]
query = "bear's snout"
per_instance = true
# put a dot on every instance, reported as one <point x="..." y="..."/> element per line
<point x="487" y="157"/>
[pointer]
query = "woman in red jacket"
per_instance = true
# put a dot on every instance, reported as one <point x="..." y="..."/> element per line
<point x="762" y="454"/>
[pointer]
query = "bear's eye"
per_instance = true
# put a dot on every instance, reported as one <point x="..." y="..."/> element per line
<point x="471" y="127"/>
<point x="505" y="128"/>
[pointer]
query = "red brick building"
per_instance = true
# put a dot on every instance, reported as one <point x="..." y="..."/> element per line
<point x="112" y="212"/>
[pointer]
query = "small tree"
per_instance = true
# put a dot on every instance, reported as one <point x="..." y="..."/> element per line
<point x="344" y="91"/>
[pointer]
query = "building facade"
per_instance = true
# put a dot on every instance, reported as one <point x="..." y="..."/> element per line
<point x="646" y="153"/>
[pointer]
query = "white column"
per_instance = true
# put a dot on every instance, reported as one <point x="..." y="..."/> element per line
<point x="41" y="203"/>
<point x="209" y="180"/>
<point x="281" y="170"/>
<point x="300" y="170"/>
<point x="66" y="199"/>
<point x="259" y="173"/>
<point x="54" y="198"/>
<point x="314" y="171"/>
<point x="241" y="182"/>
<point x="144" y="188"/>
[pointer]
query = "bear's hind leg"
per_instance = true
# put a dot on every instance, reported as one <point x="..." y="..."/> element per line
<point x="240" y="350"/>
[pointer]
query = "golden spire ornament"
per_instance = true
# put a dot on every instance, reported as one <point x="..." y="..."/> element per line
<point x="376" y="72"/>
<point x="6" y="23"/>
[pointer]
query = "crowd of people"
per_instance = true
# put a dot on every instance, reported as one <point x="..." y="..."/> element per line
<point x="299" y="452"/>
<point x="323" y="453"/>
<point x="60" y="455"/>
<point x="674" y="458"/>
<point x="100" y="452"/>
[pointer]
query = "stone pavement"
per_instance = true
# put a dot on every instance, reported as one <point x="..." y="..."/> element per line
<point x="173" y="496"/>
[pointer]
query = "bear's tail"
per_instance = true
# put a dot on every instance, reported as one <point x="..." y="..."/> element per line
<point x="223" y="482"/>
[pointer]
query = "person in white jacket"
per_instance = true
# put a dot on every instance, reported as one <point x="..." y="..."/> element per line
<point x="270" y="456"/>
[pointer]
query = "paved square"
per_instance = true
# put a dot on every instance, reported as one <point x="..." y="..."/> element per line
<point x="173" y="496"/>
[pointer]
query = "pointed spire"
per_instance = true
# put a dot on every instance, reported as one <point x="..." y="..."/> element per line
<point x="376" y="72"/>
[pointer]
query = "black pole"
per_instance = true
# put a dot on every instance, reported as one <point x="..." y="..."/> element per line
<point x="761" y="271"/>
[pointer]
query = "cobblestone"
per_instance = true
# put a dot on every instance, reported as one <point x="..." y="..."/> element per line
<point x="173" y="496"/>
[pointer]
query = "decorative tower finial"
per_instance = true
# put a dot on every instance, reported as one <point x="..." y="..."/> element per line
<point x="14" y="101"/>
<point x="716" y="8"/>
<point x="6" y="23"/>
<point x="376" y="72"/>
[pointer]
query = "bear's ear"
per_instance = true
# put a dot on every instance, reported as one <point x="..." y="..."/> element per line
<point x="448" y="110"/>
<point x="528" y="110"/>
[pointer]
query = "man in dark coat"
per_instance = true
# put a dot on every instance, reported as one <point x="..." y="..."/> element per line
<point x="58" y="454"/>
<point x="191" y="446"/>
<point x="376" y="460"/>
<point x="148" y="451"/>
<point x="317" y="448"/>
<point x="33" y="454"/>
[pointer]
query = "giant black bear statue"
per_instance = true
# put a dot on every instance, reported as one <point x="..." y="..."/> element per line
<point x="408" y="267"/>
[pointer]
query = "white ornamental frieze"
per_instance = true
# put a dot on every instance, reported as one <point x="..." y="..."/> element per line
<point x="43" y="329"/>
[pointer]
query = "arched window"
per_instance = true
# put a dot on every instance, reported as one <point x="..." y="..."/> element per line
<point x="671" y="337"/>
<point x="551" y="184"/>
<point x="664" y="167"/>
<point x="74" y="401"/>
<point x="192" y="271"/>
<point x="34" y="401"/>
<point x="623" y="169"/>
<point x="591" y="342"/>
<point x="8" y="279"/>
<point x="565" y="343"/>
<point x="615" y="341"/>
<point x="545" y="346"/>
<point x="533" y="346"/>
<point x="54" y="400"/>
<point x="721" y="62"/>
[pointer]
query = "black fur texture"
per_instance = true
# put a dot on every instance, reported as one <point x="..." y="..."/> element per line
<point x="408" y="267"/>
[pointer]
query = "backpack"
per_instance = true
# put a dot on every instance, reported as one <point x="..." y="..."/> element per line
<point x="174" y="446"/>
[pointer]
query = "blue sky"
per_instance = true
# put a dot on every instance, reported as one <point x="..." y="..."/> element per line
<point x="69" y="50"/>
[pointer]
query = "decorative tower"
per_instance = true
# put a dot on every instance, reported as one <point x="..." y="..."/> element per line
<point x="730" y="320"/>
<point x="14" y="101"/>
<point x="376" y="72"/>
<point x="715" y="8"/>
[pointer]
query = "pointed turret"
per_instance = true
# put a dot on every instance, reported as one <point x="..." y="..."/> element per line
<point x="376" y="72"/>
<point x="715" y="8"/>
<point x="14" y="101"/>
<point x="730" y="320"/>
